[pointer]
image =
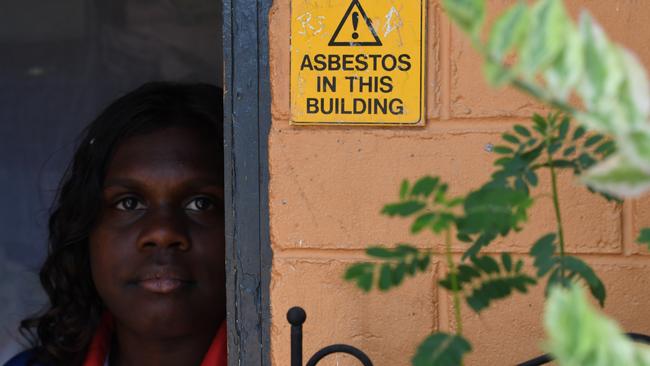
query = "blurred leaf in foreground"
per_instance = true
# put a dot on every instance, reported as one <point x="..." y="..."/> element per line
<point x="578" y="335"/>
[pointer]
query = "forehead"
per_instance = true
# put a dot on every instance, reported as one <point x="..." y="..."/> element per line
<point x="170" y="152"/>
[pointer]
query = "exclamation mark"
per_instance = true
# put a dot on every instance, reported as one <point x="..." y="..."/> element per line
<point x="355" y="24"/>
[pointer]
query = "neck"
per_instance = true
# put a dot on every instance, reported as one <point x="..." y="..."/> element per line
<point x="131" y="349"/>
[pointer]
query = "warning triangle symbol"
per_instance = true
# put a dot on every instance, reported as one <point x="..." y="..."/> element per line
<point x="355" y="29"/>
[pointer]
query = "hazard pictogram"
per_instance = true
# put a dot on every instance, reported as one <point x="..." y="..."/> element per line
<point x="350" y="33"/>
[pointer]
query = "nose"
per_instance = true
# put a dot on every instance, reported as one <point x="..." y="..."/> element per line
<point x="163" y="228"/>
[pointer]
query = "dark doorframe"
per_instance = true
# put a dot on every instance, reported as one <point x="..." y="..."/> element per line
<point x="247" y="113"/>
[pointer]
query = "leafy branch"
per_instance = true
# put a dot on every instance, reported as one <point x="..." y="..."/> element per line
<point x="556" y="59"/>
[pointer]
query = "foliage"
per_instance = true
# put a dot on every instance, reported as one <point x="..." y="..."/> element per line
<point x="578" y="335"/>
<point x="441" y="349"/>
<point x="484" y="280"/>
<point x="404" y="260"/>
<point x="539" y="50"/>
<point x="555" y="59"/>
<point x="565" y="268"/>
<point x="497" y="208"/>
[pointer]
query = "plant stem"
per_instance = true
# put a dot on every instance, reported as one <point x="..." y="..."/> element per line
<point x="558" y="216"/>
<point x="454" y="283"/>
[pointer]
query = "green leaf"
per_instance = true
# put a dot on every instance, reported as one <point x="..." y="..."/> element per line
<point x="443" y="222"/>
<point x="362" y="274"/>
<point x="506" y="259"/>
<point x="618" y="177"/>
<point x="523" y="131"/>
<point x="422" y="222"/>
<point x="403" y="209"/>
<point x="467" y="273"/>
<point x="482" y="241"/>
<point x="496" y="74"/>
<point x="593" y="140"/>
<point x="568" y="151"/>
<point x="440" y="194"/>
<point x="519" y="266"/>
<point x="637" y="147"/>
<point x="441" y="349"/>
<point x="508" y="32"/>
<point x="464" y="238"/>
<point x="381" y="252"/>
<point x="486" y="264"/>
<point x="406" y="249"/>
<point x="493" y="209"/>
<point x="634" y="96"/>
<point x="582" y="269"/>
<point x="644" y="237"/>
<point x="398" y="273"/>
<point x="546" y="36"/>
<point x="468" y="14"/>
<point x="603" y="75"/>
<point x="503" y="150"/>
<point x="554" y="147"/>
<point x="496" y="288"/>
<point x="561" y="163"/>
<point x="543" y="253"/>
<point x="578" y="133"/>
<point x="358" y="269"/>
<point x="455" y="202"/>
<point x="554" y="280"/>
<point x="532" y="178"/>
<point x="579" y="335"/>
<point x="564" y="74"/>
<point x="404" y="189"/>
<point x="510" y="138"/>
<point x="564" y="128"/>
<point x="606" y="148"/>
<point x="424" y="186"/>
<point x="385" y="277"/>
<point x="586" y="161"/>
<point x="540" y="124"/>
<point x="423" y="262"/>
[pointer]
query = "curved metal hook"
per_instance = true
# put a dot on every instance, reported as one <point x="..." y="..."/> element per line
<point x="340" y="348"/>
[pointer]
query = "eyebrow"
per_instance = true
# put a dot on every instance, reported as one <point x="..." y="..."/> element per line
<point x="192" y="184"/>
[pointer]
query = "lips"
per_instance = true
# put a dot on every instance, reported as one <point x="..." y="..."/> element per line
<point x="163" y="280"/>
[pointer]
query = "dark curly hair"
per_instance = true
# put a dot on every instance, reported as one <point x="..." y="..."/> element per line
<point x="62" y="333"/>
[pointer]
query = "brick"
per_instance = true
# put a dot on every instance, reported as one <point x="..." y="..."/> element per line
<point x="511" y="331"/>
<point x="328" y="186"/>
<point x="386" y="326"/>
<point x="624" y="21"/>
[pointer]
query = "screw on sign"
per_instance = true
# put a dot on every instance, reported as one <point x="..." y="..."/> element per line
<point x="348" y="73"/>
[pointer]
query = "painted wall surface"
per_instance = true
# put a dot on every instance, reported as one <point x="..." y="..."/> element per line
<point x="328" y="185"/>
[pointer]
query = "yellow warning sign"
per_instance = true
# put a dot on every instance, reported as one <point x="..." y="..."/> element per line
<point x="358" y="62"/>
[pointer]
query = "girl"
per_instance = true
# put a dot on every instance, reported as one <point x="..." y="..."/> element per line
<point x="135" y="272"/>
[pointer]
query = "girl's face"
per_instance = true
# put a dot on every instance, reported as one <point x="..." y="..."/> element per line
<point x="157" y="249"/>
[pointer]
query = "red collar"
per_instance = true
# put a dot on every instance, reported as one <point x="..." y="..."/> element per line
<point x="99" y="346"/>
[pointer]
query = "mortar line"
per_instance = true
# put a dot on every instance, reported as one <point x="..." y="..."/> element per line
<point x="627" y="228"/>
<point x="444" y="58"/>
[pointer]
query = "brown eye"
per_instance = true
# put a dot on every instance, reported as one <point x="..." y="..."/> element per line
<point x="129" y="204"/>
<point x="199" y="204"/>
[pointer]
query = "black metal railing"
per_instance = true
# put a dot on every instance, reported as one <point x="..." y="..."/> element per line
<point x="296" y="317"/>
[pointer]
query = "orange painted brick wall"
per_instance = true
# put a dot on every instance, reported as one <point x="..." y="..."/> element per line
<point x="328" y="185"/>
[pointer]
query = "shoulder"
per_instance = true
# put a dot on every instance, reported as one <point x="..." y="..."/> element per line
<point x="22" y="359"/>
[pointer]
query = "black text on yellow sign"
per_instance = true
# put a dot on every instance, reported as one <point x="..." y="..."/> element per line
<point x="356" y="63"/>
